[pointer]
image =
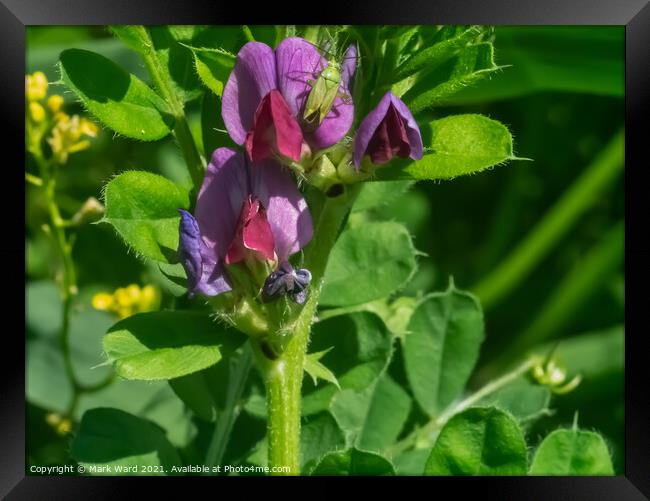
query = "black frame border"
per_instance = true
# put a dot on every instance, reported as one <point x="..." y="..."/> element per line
<point x="15" y="15"/>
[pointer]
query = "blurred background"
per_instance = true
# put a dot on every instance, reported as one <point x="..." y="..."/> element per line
<point x="540" y="242"/>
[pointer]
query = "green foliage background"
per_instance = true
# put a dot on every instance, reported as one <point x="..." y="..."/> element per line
<point x="562" y="99"/>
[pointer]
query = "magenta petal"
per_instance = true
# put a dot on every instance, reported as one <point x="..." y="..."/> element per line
<point x="251" y="79"/>
<point x="286" y="209"/>
<point x="219" y="203"/>
<point x="412" y="129"/>
<point x="298" y="61"/>
<point x="368" y="127"/>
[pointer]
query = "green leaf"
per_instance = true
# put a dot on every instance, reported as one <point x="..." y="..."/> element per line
<point x="553" y="59"/>
<point x="433" y="56"/>
<point x="411" y="462"/>
<point x="374" y="417"/>
<point x="215" y="389"/>
<point x="379" y="194"/>
<point x="479" y="441"/>
<point x="368" y="264"/>
<point x="133" y="36"/>
<point x="317" y="370"/>
<point x="118" y="99"/>
<point x="177" y="61"/>
<point x="213" y="131"/>
<point x="353" y="462"/>
<point x="459" y="145"/>
<point x="213" y="66"/>
<point x="319" y="435"/>
<point x="472" y="65"/>
<point x="362" y="349"/>
<point x="572" y="452"/>
<point x="442" y="347"/>
<point x="143" y="208"/>
<point x="167" y="344"/>
<point x="123" y="444"/>
<point x="521" y="398"/>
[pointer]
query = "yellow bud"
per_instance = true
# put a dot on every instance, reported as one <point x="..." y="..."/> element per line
<point x="36" y="112"/>
<point x="133" y="290"/>
<point x="64" y="427"/>
<point x="124" y="311"/>
<point x="55" y="103"/>
<point x="62" y="117"/>
<point x="149" y="298"/>
<point x="88" y="128"/>
<point x="102" y="301"/>
<point x="53" y="419"/>
<point x="36" y="86"/>
<point x="123" y="298"/>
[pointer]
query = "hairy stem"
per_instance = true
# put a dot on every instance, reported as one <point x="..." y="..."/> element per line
<point x="162" y="82"/>
<point x="283" y="374"/>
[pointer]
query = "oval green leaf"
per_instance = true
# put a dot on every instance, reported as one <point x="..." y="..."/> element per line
<point x="353" y="462"/>
<point x="114" y="442"/>
<point x="445" y="333"/>
<point x="118" y="99"/>
<point x="143" y="208"/>
<point x="572" y="452"/>
<point x="368" y="263"/>
<point x="479" y="441"/>
<point x="167" y="344"/>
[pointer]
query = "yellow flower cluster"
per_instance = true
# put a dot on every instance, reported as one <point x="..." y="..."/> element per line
<point x="127" y="301"/>
<point x="67" y="134"/>
<point x="550" y="374"/>
<point x="62" y="425"/>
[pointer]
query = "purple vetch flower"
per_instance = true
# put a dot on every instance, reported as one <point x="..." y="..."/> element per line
<point x="386" y="131"/>
<point x="265" y="95"/>
<point x="287" y="280"/>
<point x="242" y="210"/>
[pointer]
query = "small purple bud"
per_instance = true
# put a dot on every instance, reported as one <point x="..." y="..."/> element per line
<point x="286" y="280"/>
<point x="189" y="249"/>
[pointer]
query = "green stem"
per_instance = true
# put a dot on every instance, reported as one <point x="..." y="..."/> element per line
<point x="225" y="419"/>
<point x="283" y="374"/>
<point x="577" y="287"/>
<point x="555" y="224"/>
<point x="424" y="434"/>
<point x="165" y="87"/>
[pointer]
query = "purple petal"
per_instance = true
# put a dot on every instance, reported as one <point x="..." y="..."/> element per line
<point x="203" y="273"/>
<point x="298" y="61"/>
<point x="219" y="203"/>
<point x="349" y="68"/>
<point x="251" y="79"/>
<point x="338" y="121"/>
<point x="412" y="129"/>
<point x="286" y="209"/>
<point x="368" y="127"/>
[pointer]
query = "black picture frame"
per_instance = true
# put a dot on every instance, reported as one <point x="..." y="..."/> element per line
<point x="15" y="15"/>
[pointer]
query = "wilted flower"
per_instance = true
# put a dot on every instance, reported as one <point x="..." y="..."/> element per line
<point x="265" y="95"/>
<point x="244" y="211"/>
<point x="386" y="131"/>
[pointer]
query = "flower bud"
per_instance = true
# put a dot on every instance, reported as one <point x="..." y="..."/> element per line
<point x="92" y="210"/>
<point x="35" y="86"/>
<point x="36" y="112"/>
<point x="55" y="103"/>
